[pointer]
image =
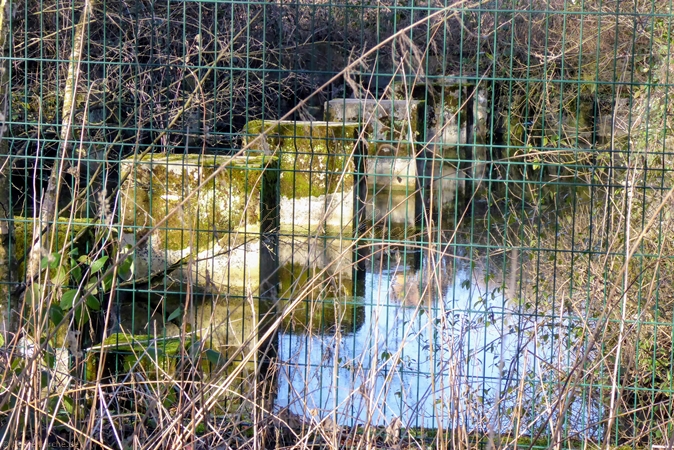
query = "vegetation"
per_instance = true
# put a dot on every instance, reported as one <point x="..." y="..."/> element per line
<point x="566" y="241"/>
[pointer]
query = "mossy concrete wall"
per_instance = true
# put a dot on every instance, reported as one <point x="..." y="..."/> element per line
<point x="220" y="241"/>
<point x="392" y="129"/>
<point x="318" y="170"/>
<point x="217" y="230"/>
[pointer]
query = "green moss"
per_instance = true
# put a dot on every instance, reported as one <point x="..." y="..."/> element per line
<point x="139" y="343"/>
<point x="159" y="183"/>
<point x="136" y="352"/>
<point x="313" y="155"/>
<point x="66" y="231"/>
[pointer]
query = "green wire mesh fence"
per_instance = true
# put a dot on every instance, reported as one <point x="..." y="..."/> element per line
<point x="379" y="223"/>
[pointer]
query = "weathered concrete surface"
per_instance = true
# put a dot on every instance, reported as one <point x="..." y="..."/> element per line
<point x="318" y="162"/>
<point x="394" y="173"/>
<point x="218" y="242"/>
<point x="217" y="231"/>
<point x="391" y="129"/>
<point x="65" y="231"/>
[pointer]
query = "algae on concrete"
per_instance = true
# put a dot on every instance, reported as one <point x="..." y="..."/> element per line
<point x="391" y="129"/>
<point x="155" y="356"/>
<point x="221" y="241"/>
<point x="157" y="184"/>
<point x="216" y="230"/>
<point x="318" y="169"/>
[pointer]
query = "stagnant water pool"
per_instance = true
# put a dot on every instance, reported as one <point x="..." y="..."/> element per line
<point x="422" y="338"/>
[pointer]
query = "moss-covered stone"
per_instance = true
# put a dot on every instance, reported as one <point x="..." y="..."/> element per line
<point x="317" y="163"/>
<point x="157" y="184"/>
<point x="65" y="232"/>
<point x="218" y="241"/>
<point x="218" y="229"/>
<point x="313" y="155"/>
<point x="139" y="353"/>
<point x="388" y="124"/>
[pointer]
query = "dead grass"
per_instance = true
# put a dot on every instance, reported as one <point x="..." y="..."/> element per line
<point x="594" y="258"/>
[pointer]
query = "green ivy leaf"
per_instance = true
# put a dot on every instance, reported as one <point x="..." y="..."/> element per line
<point x="214" y="357"/>
<point x="97" y="265"/>
<point x="55" y="314"/>
<point x="124" y="269"/>
<point x="68" y="299"/>
<point x="81" y="315"/>
<point x="93" y="303"/>
<point x="107" y="282"/>
<point x="54" y="260"/>
<point x="91" y="286"/>
<point x="175" y="314"/>
<point x="60" y="276"/>
<point x="69" y="404"/>
<point x="76" y="271"/>
<point x="33" y="294"/>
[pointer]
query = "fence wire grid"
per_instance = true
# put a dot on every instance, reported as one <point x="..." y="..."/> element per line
<point x="340" y="223"/>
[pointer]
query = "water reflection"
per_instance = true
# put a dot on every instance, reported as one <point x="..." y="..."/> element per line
<point x="439" y="340"/>
<point x="318" y="301"/>
<point x="401" y="362"/>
